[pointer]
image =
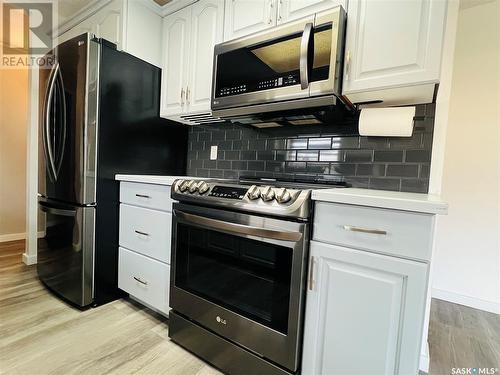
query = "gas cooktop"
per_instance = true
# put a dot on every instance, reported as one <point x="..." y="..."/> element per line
<point x="269" y="196"/>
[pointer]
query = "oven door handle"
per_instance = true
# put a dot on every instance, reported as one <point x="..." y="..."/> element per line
<point x="239" y="228"/>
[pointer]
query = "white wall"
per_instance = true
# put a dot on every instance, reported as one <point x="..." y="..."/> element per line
<point x="13" y="125"/>
<point x="13" y="117"/>
<point x="467" y="261"/>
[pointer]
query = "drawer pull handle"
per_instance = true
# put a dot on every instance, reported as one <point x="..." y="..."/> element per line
<point x="140" y="281"/>
<point x="142" y="233"/>
<point x="143" y="196"/>
<point x="364" y="230"/>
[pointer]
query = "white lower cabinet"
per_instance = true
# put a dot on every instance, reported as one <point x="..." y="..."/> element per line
<point x="364" y="312"/>
<point x="144" y="278"/>
<point x="144" y="243"/>
<point x="146" y="231"/>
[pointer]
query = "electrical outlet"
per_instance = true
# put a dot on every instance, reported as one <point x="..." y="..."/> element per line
<point x="213" y="152"/>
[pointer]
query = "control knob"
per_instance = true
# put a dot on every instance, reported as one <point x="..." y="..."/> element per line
<point x="254" y="192"/>
<point x="267" y="193"/>
<point x="183" y="185"/>
<point x="202" y="187"/>
<point x="192" y="186"/>
<point x="283" y="195"/>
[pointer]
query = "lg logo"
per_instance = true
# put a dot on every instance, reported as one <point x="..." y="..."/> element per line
<point x="220" y="320"/>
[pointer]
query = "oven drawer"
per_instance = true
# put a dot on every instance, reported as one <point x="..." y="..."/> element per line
<point x="146" y="195"/>
<point x="392" y="232"/>
<point x="144" y="278"/>
<point x="146" y="231"/>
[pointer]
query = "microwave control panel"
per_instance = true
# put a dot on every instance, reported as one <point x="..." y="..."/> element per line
<point x="283" y="81"/>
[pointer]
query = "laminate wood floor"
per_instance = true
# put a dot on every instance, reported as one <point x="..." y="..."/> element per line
<point x="39" y="334"/>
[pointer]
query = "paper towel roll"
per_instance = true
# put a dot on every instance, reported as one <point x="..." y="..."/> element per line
<point x="387" y="122"/>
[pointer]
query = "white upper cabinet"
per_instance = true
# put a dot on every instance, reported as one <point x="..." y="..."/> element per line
<point x="289" y="10"/>
<point x="109" y="23"/>
<point x="189" y="37"/>
<point x="131" y="25"/>
<point x="392" y="44"/>
<point x="175" y="62"/>
<point x="143" y="32"/>
<point x="364" y="313"/>
<point x="243" y="17"/>
<point x="206" y="31"/>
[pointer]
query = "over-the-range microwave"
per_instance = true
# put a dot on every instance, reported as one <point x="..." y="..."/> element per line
<point x="294" y="66"/>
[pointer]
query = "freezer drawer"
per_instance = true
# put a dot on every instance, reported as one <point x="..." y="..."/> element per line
<point x="66" y="251"/>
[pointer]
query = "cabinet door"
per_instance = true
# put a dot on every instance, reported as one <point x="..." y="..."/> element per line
<point x="243" y="17"/>
<point x="289" y="10"/>
<point x="393" y="43"/>
<point x="143" y="37"/>
<point x="206" y="31"/>
<point x="107" y="23"/>
<point x="176" y="34"/>
<point x="364" y="312"/>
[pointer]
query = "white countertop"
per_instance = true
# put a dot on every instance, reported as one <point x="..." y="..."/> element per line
<point x="150" y="179"/>
<point x="425" y="203"/>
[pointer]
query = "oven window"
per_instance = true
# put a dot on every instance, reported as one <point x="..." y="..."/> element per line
<point x="249" y="277"/>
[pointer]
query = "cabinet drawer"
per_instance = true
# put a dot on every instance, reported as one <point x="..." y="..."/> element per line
<point x="146" y="195"/>
<point x="399" y="233"/>
<point x="144" y="278"/>
<point x="146" y="231"/>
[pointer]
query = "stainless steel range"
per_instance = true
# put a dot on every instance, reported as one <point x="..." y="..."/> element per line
<point x="239" y="265"/>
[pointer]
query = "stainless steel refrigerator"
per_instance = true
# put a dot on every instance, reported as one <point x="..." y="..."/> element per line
<point x="98" y="116"/>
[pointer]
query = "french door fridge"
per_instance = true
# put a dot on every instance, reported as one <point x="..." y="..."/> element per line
<point x="98" y="116"/>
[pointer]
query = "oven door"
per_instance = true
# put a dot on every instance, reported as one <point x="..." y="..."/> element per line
<point x="241" y="276"/>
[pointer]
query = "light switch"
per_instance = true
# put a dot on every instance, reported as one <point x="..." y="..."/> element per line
<point x="213" y="152"/>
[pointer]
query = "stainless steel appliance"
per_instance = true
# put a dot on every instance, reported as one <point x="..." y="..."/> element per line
<point x="239" y="260"/>
<point x="296" y="65"/>
<point x="98" y="112"/>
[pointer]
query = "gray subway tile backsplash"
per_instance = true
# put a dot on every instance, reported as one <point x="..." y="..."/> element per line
<point x="389" y="163"/>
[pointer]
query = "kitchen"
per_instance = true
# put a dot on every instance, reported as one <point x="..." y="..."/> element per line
<point x="257" y="186"/>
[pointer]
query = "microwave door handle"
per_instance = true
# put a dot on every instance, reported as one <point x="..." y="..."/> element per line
<point x="228" y="227"/>
<point x="305" y="55"/>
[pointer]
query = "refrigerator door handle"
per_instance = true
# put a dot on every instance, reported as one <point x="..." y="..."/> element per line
<point x="49" y="152"/>
<point x="56" y="210"/>
<point x="60" y="152"/>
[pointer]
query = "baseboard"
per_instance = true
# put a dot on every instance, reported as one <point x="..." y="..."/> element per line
<point x="469" y="301"/>
<point x="12" y="237"/>
<point x="29" y="259"/>
<point x="425" y="360"/>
